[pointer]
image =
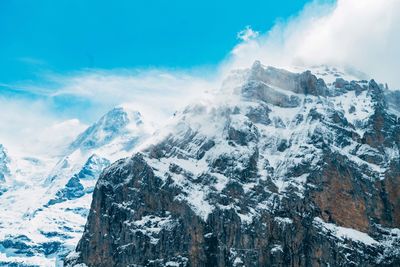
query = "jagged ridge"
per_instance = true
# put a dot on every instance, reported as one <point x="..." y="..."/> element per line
<point x="280" y="169"/>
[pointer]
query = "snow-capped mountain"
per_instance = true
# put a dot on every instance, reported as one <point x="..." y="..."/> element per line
<point x="116" y="124"/>
<point x="43" y="213"/>
<point x="275" y="169"/>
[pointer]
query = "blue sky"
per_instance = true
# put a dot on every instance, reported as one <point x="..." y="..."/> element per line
<point x="69" y="35"/>
<point x="70" y="61"/>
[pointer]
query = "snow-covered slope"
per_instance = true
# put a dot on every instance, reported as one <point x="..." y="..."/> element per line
<point x="259" y="159"/>
<point x="275" y="169"/>
<point x="4" y="164"/>
<point x="45" y="202"/>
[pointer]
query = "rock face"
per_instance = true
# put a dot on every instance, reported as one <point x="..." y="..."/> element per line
<point x="81" y="183"/>
<point x="284" y="171"/>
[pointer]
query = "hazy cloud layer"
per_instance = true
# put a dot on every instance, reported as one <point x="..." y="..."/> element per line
<point x="30" y="128"/>
<point x="348" y="33"/>
<point x="53" y="118"/>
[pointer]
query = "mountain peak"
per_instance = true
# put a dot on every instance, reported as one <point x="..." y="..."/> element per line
<point x="114" y="123"/>
<point x="307" y="160"/>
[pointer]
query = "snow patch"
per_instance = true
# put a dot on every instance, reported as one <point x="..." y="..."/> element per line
<point x="345" y="233"/>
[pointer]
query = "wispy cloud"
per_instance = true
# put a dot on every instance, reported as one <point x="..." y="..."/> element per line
<point x="160" y="91"/>
<point x="349" y="33"/>
<point x="247" y="34"/>
<point x="29" y="127"/>
<point x="32" y="61"/>
<point x="32" y="124"/>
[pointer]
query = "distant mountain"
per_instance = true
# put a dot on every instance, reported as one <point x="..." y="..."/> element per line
<point x="275" y="169"/>
<point x="111" y="126"/>
<point x="43" y="220"/>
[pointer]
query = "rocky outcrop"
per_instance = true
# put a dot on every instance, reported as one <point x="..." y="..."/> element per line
<point x="304" y="83"/>
<point x="74" y="188"/>
<point x="266" y="181"/>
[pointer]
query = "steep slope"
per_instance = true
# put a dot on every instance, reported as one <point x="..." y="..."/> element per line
<point x="276" y="169"/>
<point x="44" y="219"/>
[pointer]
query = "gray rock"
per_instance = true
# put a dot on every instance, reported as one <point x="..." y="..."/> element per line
<point x="221" y="199"/>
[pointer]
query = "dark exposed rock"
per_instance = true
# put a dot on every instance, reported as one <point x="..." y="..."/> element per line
<point x="304" y="83"/>
<point x="312" y="189"/>
<point x="259" y="114"/>
<point x="74" y="188"/>
<point x="257" y="90"/>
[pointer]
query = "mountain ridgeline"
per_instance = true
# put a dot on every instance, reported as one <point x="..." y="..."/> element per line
<point x="277" y="169"/>
<point x="45" y="203"/>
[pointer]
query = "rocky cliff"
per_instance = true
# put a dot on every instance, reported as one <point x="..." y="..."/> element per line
<point x="276" y="169"/>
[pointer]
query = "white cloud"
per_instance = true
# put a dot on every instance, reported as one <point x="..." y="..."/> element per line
<point x="29" y="128"/>
<point x="35" y="127"/>
<point x="247" y="34"/>
<point x="100" y="85"/>
<point x="363" y="34"/>
<point x="156" y="93"/>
